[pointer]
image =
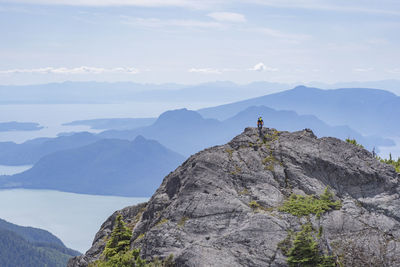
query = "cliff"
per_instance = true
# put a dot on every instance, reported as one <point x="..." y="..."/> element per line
<point x="225" y="206"/>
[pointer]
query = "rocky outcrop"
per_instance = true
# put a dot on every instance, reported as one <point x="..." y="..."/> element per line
<point x="202" y="212"/>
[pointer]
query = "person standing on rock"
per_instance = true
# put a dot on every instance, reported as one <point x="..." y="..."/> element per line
<point x="260" y="124"/>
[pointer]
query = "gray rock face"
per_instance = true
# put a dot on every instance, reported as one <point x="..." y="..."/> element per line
<point x="201" y="212"/>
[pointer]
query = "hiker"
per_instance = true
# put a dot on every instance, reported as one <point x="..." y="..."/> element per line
<point x="260" y="124"/>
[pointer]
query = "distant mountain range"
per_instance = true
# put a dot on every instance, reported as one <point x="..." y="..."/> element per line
<point x="370" y="111"/>
<point x="31" y="151"/>
<point x="122" y="92"/>
<point x="291" y="121"/>
<point x="106" y="167"/>
<point x="187" y="132"/>
<point x="31" y="247"/>
<point x="183" y="131"/>
<point x="388" y="85"/>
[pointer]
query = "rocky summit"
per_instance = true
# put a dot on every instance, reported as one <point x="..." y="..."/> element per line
<point x="259" y="201"/>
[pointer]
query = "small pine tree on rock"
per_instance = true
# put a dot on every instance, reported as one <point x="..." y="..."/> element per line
<point x="305" y="249"/>
<point x="119" y="240"/>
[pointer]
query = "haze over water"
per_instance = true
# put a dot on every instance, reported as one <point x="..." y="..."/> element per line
<point x="74" y="218"/>
<point x="52" y="116"/>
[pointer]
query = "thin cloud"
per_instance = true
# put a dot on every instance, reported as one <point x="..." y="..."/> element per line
<point x="363" y="69"/>
<point x="337" y="6"/>
<point x="144" y="3"/>
<point x="292" y="37"/>
<point x="158" y="23"/>
<point x="260" y="67"/>
<point x="78" y="70"/>
<point x="205" y="70"/>
<point x="378" y="41"/>
<point x="395" y="71"/>
<point x="227" y="16"/>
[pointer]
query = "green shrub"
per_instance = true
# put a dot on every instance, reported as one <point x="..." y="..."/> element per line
<point x="258" y="208"/>
<point x="117" y="252"/>
<point x="236" y="171"/>
<point x="131" y="258"/>
<point x="305" y="251"/>
<point x="306" y="205"/>
<point x="230" y="152"/>
<point x="128" y="258"/>
<point x="182" y="222"/>
<point x="390" y="161"/>
<point x="119" y="240"/>
<point x="269" y="162"/>
<point x="162" y="221"/>
<point x="254" y="205"/>
<point x="140" y="236"/>
<point x="354" y="142"/>
<point x="268" y="137"/>
<point x="244" y="192"/>
<point x="286" y="244"/>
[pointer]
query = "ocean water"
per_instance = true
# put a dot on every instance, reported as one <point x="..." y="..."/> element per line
<point x="74" y="218"/>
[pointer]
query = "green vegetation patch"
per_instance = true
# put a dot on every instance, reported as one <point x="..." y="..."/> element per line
<point x="140" y="236"/>
<point x="254" y="205"/>
<point x="306" y="205"/>
<point x="269" y="159"/>
<point x="162" y="221"/>
<point x="286" y="244"/>
<point x="244" y="192"/>
<point x="230" y="152"/>
<point x="236" y="171"/>
<point x="354" y="142"/>
<point x="269" y="162"/>
<point x="120" y="238"/>
<point x="257" y="207"/>
<point x="305" y="250"/>
<point x="390" y="161"/>
<point x="131" y="258"/>
<point x="182" y="222"/>
<point x="271" y="136"/>
<point x="117" y="252"/>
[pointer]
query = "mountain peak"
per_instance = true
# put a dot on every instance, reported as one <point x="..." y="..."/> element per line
<point x="223" y="206"/>
<point x="300" y="87"/>
<point x="139" y="139"/>
<point x="304" y="88"/>
<point x="178" y="116"/>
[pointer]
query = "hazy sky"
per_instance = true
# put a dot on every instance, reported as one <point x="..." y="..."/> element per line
<point x="192" y="41"/>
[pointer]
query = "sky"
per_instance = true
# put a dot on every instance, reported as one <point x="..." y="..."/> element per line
<point x="195" y="41"/>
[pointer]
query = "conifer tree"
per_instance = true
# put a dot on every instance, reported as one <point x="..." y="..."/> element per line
<point x="305" y="249"/>
<point x="119" y="240"/>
